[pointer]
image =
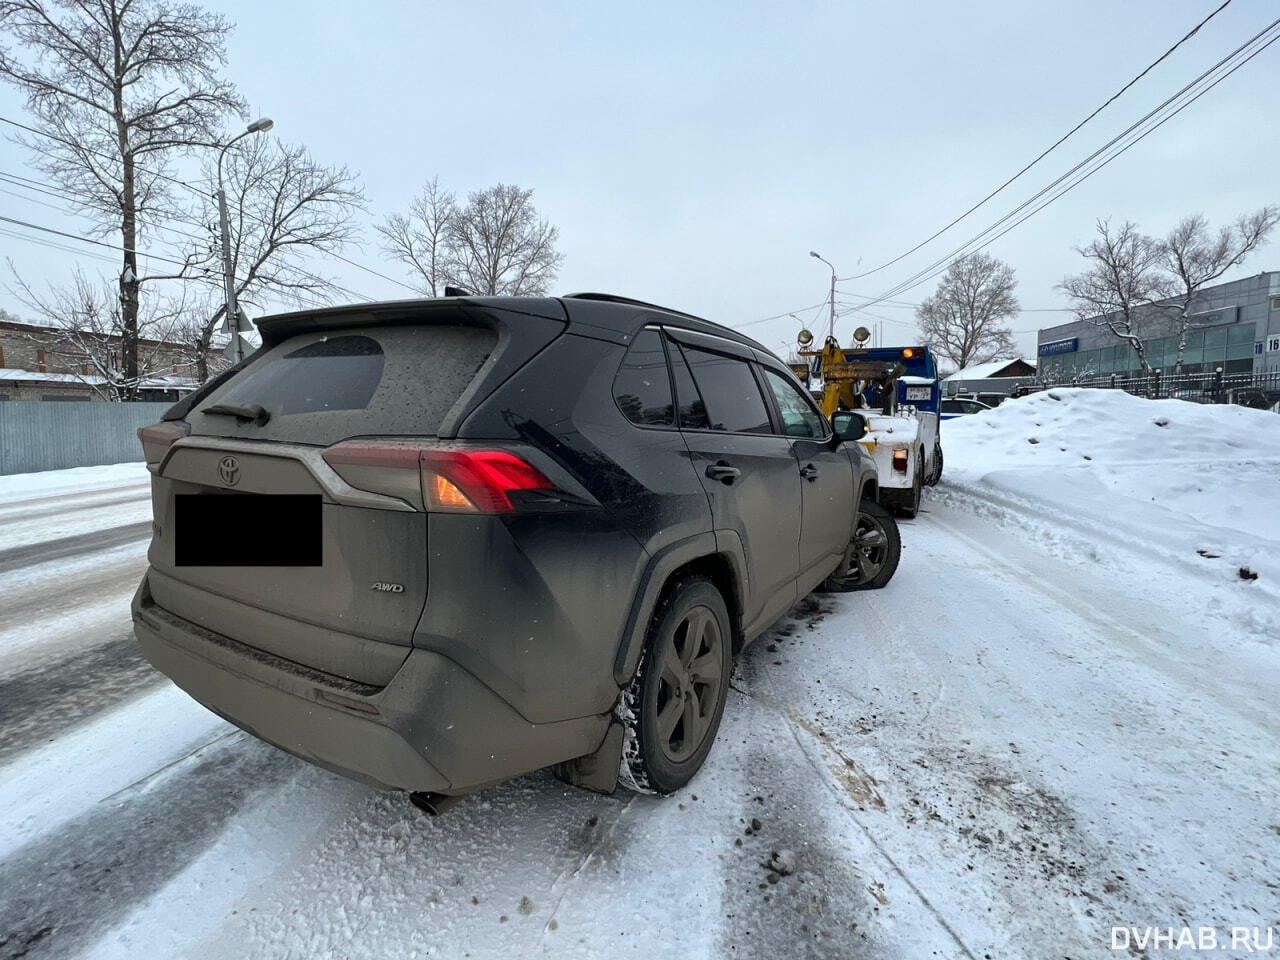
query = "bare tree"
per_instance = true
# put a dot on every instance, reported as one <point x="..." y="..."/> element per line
<point x="420" y="240"/>
<point x="282" y="206"/>
<point x="496" y="244"/>
<point x="1193" y="256"/>
<point x="499" y="245"/>
<point x="1122" y="278"/>
<point x="116" y="87"/>
<point x="961" y="321"/>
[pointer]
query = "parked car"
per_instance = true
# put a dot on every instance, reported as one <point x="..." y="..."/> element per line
<point x="1255" y="397"/>
<point x="433" y="545"/>
<point x="952" y="407"/>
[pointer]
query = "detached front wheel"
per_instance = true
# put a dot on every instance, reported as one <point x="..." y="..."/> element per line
<point x="872" y="556"/>
<point x="672" y="709"/>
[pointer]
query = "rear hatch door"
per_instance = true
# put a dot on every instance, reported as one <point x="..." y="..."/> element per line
<point x="258" y="538"/>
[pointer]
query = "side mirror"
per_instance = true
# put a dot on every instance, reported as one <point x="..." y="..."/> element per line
<point x="849" y="424"/>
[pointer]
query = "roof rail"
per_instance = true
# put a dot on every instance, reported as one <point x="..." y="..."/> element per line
<point x="611" y="298"/>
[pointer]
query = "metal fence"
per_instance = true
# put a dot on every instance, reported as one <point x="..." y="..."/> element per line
<point x="1250" y="389"/>
<point x="51" y="436"/>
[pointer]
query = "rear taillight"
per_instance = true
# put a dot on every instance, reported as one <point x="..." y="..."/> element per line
<point x="900" y="461"/>
<point x="158" y="438"/>
<point x="449" y="479"/>
<point x="479" y="481"/>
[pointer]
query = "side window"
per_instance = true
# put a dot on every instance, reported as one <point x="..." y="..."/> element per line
<point x="799" y="419"/>
<point x="729" y="390"/>
<point x="642" y="389"/>
<point x="693" y="412"/>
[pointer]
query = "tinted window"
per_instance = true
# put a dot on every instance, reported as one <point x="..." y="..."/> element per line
<point x="642" y="388"/>
<point x="693" y="412"/>
<point x="336" y="373"/>
<point x="799" y="419"/>
<point x="729" y="390"/>
<point x="376" y="380"/>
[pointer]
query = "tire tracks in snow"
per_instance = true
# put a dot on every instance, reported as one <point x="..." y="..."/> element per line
<point x="17" y="557"/>
<point x="1142" y="644"/>
<point x="853" y="792"/>
<point x="64" y="890"/>
<point x="39" y="507"/>
<point x="36" y="705"/>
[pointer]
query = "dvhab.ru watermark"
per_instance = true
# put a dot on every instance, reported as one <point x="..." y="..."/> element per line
<point x="1239" y="940"/>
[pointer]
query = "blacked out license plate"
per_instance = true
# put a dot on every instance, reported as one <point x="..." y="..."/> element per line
<point x="247" y="530"/>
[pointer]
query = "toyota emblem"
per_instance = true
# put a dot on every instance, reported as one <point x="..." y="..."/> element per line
<point x="229" y="471"/>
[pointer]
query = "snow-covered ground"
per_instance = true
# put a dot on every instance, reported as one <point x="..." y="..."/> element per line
<point x="1053" y="731"/>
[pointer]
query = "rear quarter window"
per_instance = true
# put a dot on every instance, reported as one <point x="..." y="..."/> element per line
<point x="642" y="389"/>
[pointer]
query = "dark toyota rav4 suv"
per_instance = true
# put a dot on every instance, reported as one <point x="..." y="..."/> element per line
<point x="433" y="545"/>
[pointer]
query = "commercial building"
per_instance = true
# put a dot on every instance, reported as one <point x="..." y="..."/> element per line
<point x="1235" y="329"/>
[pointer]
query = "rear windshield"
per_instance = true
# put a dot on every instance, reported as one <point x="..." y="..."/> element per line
<point x="323" y="387"/>
<point x="336" y="373"/>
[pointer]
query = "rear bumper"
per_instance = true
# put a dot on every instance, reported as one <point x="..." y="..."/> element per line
<point x="434" y="727"/>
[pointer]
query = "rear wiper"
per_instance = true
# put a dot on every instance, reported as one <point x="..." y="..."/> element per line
<point x="241" y="411"/>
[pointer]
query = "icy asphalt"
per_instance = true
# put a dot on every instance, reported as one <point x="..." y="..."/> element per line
<point x="1057" y="720"/>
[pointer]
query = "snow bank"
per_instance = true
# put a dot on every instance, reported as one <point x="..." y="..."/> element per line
<point x="24" y="486"/>
<point x="1168" y="480"/>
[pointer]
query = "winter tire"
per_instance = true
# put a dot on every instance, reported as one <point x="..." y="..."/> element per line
<point x="909" y="510"/>
<point x="936" y="474"/>
<point x="873" y="552"/>
<point x="672" y="709"/>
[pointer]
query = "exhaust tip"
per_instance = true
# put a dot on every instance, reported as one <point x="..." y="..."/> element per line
<point x="434" y="803"/>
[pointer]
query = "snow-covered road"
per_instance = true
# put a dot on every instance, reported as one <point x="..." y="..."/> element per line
<point x="1058" y="719"/>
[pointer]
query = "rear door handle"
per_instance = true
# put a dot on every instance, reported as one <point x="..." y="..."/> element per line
<point x="723" y="472"/>
<point x="809" y="472"/>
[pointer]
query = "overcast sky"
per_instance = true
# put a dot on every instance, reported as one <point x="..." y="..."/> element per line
<point x="693" y="154"/>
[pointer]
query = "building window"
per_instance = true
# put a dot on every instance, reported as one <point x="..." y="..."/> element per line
<point x="40" y="360"/>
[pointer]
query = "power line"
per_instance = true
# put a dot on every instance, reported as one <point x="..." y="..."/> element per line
<point x="260" y="221"/>
<point x="779" y="316"/>
<point x="82" y="239"/>
<point x="930" y="271"/>
<point x="372" y="271"/>
<point x="98" y="243"/>
<point x="99" y="153"/>
<point x="54" y="245"/>
<point x="12" y="180"/>
<point x="906" y="304"/>
<point x="1115" y="96"/>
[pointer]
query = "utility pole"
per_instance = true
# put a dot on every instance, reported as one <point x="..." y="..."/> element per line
<point x="232" y="318"/>
<point x="831" y="326"/>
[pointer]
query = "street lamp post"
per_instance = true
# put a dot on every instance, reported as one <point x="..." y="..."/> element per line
<point x="261" y="125"/>
<point x="831" y="329"/>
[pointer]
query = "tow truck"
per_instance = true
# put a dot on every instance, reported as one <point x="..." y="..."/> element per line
<point x="897" y="392"/>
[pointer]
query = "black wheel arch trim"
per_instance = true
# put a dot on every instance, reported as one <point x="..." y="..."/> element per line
<point x="658" y="572"/>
